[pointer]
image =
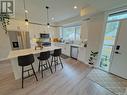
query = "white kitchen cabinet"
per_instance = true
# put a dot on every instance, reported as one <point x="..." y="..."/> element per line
<point x="66" y="49"/>
<point x="82" y="55"/>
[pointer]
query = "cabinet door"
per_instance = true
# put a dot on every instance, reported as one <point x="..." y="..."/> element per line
<point x="63" y="49"/>
<point x="67" y="51"/>
<point x="82" y="54"/>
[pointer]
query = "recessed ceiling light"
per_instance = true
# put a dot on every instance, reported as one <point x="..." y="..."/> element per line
<point x="53" y="18"/>
<point x="26" y="11"/>
<point x="75" y="7"/>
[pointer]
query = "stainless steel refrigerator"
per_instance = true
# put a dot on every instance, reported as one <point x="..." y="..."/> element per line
<point x="19" y="39"/>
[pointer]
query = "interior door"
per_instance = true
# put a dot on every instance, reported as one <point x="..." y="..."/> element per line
<point x="119" y="60"/>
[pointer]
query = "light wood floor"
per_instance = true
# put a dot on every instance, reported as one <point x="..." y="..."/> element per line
<point x="72" y="80"/>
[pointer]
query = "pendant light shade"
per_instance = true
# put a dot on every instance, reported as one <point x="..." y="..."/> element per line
<point x="26" y="14"/>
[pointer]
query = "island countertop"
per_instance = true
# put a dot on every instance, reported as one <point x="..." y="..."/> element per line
<point x="13" y="56"/>
<point x="16" y="53"/>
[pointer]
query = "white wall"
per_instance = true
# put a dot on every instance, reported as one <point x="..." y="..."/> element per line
<point x="17" y="25"/>
<point x="95" y="30"/>
<point x="5" y="46"/>
<point x="84" y="31"/>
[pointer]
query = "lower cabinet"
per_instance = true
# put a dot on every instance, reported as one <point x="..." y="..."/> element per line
<point x="78" y="53"/>
<point x="66" y="49"/>
<point x="82" y="55"/>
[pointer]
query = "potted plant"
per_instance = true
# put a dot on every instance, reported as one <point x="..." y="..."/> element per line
<point x="4" y="18"/>
<point x="92" y="58"/>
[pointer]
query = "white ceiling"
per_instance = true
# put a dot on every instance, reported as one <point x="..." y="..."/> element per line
<point x="62" y="9"/>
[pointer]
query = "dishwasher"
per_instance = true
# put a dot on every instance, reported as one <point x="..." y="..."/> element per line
<point x="74" y="52"/>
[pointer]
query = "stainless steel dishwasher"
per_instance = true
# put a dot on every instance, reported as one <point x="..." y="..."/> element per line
<point x="74" y="52"/>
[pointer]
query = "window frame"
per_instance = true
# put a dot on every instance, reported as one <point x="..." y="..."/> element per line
<point x="121" y="12"/>
<point x="75" y="32"/>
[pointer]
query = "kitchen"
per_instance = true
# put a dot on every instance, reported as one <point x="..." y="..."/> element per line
<point x="63" y="47"/>
<point x="76" y="42"/>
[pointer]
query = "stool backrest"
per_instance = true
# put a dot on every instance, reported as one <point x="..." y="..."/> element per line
<point x="25" y="60"/>
<point x="57" y="52"/>
<point x="45" y="55"/>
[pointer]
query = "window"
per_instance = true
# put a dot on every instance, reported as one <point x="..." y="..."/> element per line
<point x="70" y="33"/>
<point x="118" y="16"/>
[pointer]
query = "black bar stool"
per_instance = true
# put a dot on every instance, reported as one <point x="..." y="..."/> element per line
<point x="44" y="62"/>
<point x="26" y="60"/>
<point x="56" y="58"/>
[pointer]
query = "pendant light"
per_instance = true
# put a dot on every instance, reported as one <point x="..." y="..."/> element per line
<point x="48" y="24"/>
<point x="26" y="14"/>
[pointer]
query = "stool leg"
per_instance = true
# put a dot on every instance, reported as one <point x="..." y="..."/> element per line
<point x="39" y="66"/>
<point x="51" y="61"/>
<point x="22" y="76"/>
<point x="55" y="63"/>
<point x="49" y="66"/>
<point x="34" y="72"/>
<point x="57" y="60"/>
<point x="46" y="64"/>
<point x="42" y="68"/>
<point x="61" y="62"/>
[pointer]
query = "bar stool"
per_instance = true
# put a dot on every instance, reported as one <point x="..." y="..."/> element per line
<point x="56" y="58"/>
<point x="44" y="62"/>
<point x="24" y="61"/>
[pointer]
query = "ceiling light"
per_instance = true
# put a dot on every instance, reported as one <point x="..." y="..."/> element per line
<point x="75" y="7"/>
<point x="26" y="11"/>
<point x="53" y="18"/>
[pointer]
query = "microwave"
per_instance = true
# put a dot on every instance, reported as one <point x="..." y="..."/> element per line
<point x="44" y="36"/>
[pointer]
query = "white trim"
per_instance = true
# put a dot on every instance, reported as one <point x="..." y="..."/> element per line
<point x="102" y="40"/>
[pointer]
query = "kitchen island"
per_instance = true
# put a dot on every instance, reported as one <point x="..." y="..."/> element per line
<point x="13" y="56"/>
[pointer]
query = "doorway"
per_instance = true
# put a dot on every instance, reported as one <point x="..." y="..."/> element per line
<point x="112" y="32"/>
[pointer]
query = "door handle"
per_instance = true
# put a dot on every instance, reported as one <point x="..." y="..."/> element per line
<point x="116" y="52"/>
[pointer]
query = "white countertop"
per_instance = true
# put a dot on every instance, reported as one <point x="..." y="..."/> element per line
<point x="16" y="53"/>
<point x="77" y="45"/>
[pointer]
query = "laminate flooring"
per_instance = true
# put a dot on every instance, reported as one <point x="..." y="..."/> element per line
<point x="71" y="80"/>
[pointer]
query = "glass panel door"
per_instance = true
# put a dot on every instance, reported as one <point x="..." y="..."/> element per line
<point x="108" y="44"/>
